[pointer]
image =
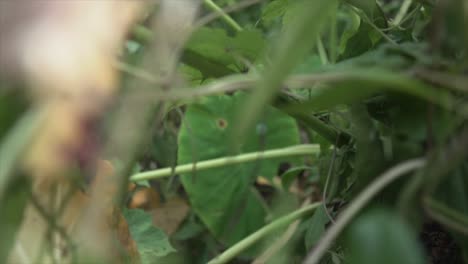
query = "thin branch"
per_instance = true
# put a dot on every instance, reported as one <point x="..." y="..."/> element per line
<point x="358" y="204"/>
<point x="224" y="161"/>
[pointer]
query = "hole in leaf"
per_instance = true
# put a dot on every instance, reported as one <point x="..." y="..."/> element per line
<point x="222" y="123"/>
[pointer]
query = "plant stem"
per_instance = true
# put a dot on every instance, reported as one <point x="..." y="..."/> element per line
<point x="282" y="241"/>
<point x="228" y="19"/>
<point x="361" y="200"/>
<point x="333" y="43"/>
<point x="242" y="245"/>
<point x="322" y="52"/>
<point x="402" y="12"/>
<point x="224" y="161"/>
<point x="446" y="216"/>
<point x="334" y="136"/>
<point x="137" y="72"/>
<point x="235" y="7"/>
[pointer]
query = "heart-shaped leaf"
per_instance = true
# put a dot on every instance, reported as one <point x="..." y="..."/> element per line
<point x="224" y="198"/>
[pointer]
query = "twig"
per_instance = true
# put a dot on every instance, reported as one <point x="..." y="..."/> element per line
<point x="359" y="202"/>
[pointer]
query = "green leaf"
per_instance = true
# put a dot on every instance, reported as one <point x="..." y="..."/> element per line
<point x="211" y="43"/>
<point x="370" y="159"/>
<point x="274" y="10"/>
<point x="352" y="24"/>
<point x="248" y="44"/>
<point x="164" y="149"/>
<point x="223" y="198"/>
<point x="371" y="10"/>
<point x="365" y="5"/>
<point x="215" y="54"/>
<point x="379" y="236"/>
<point x="316" y="227"/>
<point x="12" y="206"/>
<point x="359" y="43"/>
<point x="151" y="241"/>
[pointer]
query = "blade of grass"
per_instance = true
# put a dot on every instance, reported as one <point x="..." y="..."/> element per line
<point x="245" y="243"/>
<point x="446" y="216"/>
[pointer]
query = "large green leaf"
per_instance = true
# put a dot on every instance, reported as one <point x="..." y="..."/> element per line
<point x="223" y="198"/>
<point x="151" y="242"/>
<point x="381" y="237"/>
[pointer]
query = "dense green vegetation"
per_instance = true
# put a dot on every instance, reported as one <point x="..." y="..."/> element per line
<point x="297" y="131"/>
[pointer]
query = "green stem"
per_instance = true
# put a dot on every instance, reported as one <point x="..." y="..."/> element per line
<point x="446" y="216"/>
<point x="332" y="47"/>
<point x="321" y="51"/>
<point x="224" y="161"/>
<point x="228" y="19"/>
<point x="402" y="12"/>
<point x="333" y="136"/>
<point x="361" y="200"/>
<point x="242" y="245"/>
<point x="136" y="72"/>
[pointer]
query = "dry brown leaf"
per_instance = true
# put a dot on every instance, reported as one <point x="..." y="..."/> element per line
<point x="144" y="198"/>
<point x="170" y="215"/>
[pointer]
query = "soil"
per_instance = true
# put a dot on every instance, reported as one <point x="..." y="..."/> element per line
<point x="440" y="246"/>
